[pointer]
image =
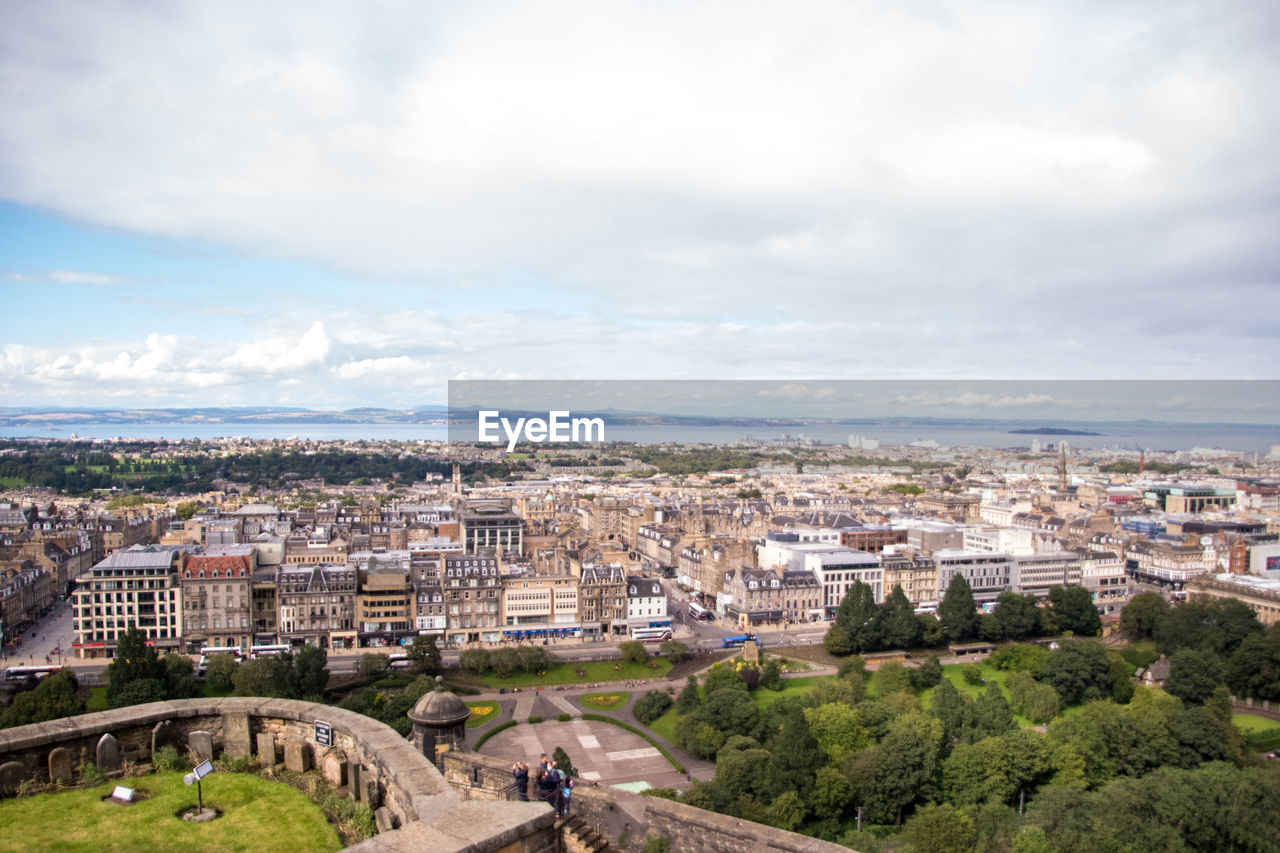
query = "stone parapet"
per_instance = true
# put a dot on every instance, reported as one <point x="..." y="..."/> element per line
<point x="421" y="809"/>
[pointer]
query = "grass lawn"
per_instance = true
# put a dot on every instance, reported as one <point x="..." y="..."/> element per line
<point x="665" y="725"/>
<point x="12" y="482"/>
<point x="604" y="701"/>
<point x="1253" y="723"/>
<point x="764" y="697"/>
<point x="481" y="713"/>
<point x="252" y="811"/>
<point x="97" y="700"/>
<point x="596" y="670"/>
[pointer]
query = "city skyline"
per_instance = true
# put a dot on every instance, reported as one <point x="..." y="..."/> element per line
<point x="347" y="207"/>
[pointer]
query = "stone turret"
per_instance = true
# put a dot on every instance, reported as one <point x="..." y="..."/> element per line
<point x="439" y="722"/>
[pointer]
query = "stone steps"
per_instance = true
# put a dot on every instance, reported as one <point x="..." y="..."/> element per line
<point x="578" y="837"/>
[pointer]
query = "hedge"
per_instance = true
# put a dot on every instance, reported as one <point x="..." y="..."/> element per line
<point x="493" y="731"/>
<point x="600" y="718"/>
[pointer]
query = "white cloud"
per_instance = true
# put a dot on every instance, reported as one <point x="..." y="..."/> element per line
<point x="282" y="354"/>
<point x="72" y="277"/>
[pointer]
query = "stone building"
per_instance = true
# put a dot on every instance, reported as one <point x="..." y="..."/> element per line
<point x="139" y="586"/>
<point x="385" y="607"/>
<point x="602" y="599"/>
<point x="439" y="723"/>
<point x="217" y="600"/>
<point x="317" y="605"/>
<point x="487" y="525"/>
<point x="473" y="593"/>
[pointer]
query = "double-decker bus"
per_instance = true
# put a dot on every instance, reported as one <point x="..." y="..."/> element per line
<point x="651" y="635"/>
<point x="22" y="673"/>
<point x="702" y="614"/>
<point x="209" y="651"/>
<point x="737" y="641"/>
<point x="256" y="652"/>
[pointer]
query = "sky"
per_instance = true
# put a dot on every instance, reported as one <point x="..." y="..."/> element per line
<point x="337" y="205"/>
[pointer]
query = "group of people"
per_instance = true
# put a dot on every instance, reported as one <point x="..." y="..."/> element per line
<point x="552" y="785"/>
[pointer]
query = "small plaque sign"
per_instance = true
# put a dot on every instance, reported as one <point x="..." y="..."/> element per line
<point x="203" y="769"/>
<point x="123" y="794"/>
<point x="324" y="733"/>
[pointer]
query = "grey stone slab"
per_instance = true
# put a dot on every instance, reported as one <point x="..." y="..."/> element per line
<point x="353" y="778"/>
<point x="297" y="756"/>
<point x="201" y="744"/>
<point x="334" y="768"/>
<point x="11" y="775"/>
<point x="266" y="749"/>
<point x="60" y="764"/>
<point x="237" y="739"/>
<point x="162" y="734"/>
<point x="108" y="755"/>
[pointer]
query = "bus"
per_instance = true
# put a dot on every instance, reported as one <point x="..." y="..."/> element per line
<point x="209" y="651"/>
<point x="256" y="652"/>
<point x="702" y="614"/>
<point x="399" y="661"/>
<point x="22" y="673"/>
<point x="738" y="641"/>
<point x="651" y="635"/>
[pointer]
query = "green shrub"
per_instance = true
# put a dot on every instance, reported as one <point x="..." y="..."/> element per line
<point x="972" y="673"/>
<point x="535" y="719"/>
<point x="242" y="764"/>
<point x="493" y="731"/>
<point x="651" y="706"/>
<point x="167" y="758"/>
<point x="563" y="718"/>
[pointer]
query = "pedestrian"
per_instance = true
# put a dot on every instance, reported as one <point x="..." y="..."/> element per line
<point x="520" y="772"/>
<point x="566" y="791"/>
<point x="554" y="781"/>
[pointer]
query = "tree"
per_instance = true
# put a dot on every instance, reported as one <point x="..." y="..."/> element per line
<point x="186" y="509"/>
<point x="689" y="699"/>
<point x="310" y="663"/>
<point x="218" y="672"/>
<point x="424" y="655"/>
<point x="563" y="764"/>
<point x="1193" y="676"/>
<point x="721" y="677"/>
<point x="651" y="706"/>
<point x="895" y="624"/>
<point x="951" y="708"/>
<point x="1074" y="609"/>
<point x="372" y="664"/>
<point x="941" y="829"/>
<point x="179" y="676"/>
<point x="1018" y="615"/>
<point x="732" y="712"/>
<point x="474" y="661"/>
<point x="134" y="661"/>
<point x="504" y="661"/>
<point x="675" y="651"/>
<point x="892" y="677"/>
<point x="928" y="674"/>
<point x="838" y="730"/>
<point x="906" y="766"/>
<point x="1254" y="668"/>
<point x="633" y="651"/>
<point x="771" y="675"/>
<point x="1142" y="615"/>
<point x="831" y="795"/>
<point x="257" y="677"/>
<point x="991" y="713"/>
<point x="1079" y="670"/>
<point x="958" y="614"/>
<point x="856" y="618"/>
<point x="52" y="699"/>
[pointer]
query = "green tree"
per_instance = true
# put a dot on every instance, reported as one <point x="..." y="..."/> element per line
<point x="633" y="651"/>
<point x="179" y="676"/>
<point x="838" y="730"/>
<point x="474" y="661"/>
<point x="951" y="708"/>
<point x="1075" y="611"/>
<point x="856" y="618"/>
<point x="958" y="613"/>
<point x="424" y="655"/>
<point x="906" y="768"/>
<point x="134" y="661"/>
<point x="675" y="651"/>
<point x="896" y="625"/>
<point x="941" y="829"/>
<point x="928" y="674"/>
<point x="52" y="699"/>
<point x="1254" y="668"/>
<point x="219" y="670"/>
<point x="186" y="509"/>
<point x="257" y="678"/>
<point x="721" y="677"/>
<point x="1142" y="615"/>
<point x="310" y="664"/>
<point x="1193" y="675"/>
<point x="372" y="664"/>
<point x="1018" y="615"/>
<point x="563" y="764"/>
<point x="732" y="711"/>
<point x="991" y="713"/>
<point x="771" y="675"/>
<point x="796" y="754"/>
<point x="892" y="677"/>
<point x="832" y="794"/>
<point x="651" y="706"/>
<point x="788" y="810"/>
<point x="1079" y="670"/>
<point x="504" y="661"/>
<point x="689" y="699"/>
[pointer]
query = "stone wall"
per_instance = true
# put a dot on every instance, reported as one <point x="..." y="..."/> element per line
<point x="414" y="804"/>
<point x="612" y="813"/>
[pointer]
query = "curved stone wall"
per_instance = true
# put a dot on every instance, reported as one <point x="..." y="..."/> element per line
<point x="416" y="807"/>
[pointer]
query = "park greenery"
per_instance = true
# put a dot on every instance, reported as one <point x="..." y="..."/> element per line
<point x="861" y="625"/>
<point x="937" y="758"/>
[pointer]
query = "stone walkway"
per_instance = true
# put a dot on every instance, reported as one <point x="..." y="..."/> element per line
<point x="600" y="752"/>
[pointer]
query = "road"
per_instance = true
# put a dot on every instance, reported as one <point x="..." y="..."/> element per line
<point x="49" y="641"/>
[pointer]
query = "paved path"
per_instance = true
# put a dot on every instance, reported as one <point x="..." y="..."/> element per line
<point x="564" y="706"/>
<point x="600" y="752"/>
